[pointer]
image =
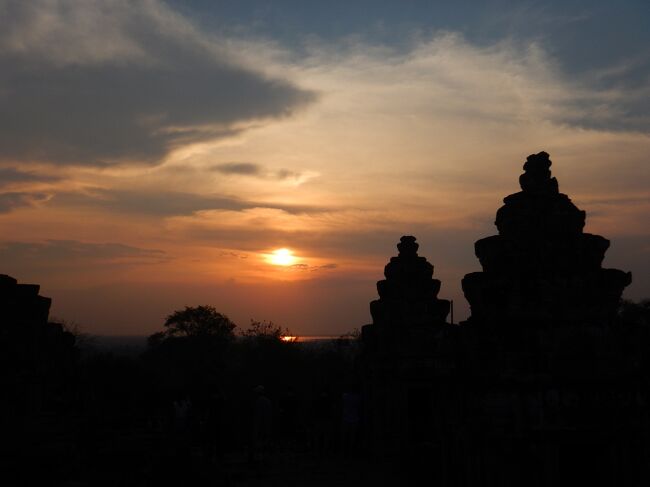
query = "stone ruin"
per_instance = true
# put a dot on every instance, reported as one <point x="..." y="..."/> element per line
<point x="21" y="303"/>
<point x="404" y="349"/>
<point x="542" y="385"/>
<point x="542" y="267"/>
<point x="409" y="294"/>
<point x="408" y="301"/>
<point x="36" y="356"/>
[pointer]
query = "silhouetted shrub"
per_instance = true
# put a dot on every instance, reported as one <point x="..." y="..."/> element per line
<point x="266" y="330"/>
<point x="199" y="321"/>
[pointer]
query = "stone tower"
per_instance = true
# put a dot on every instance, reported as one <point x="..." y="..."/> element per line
<point x="409" y="294"/>
<point x="37" y="358"/>
<point x="407" y="353"/>
<point x="542" y="268"/>
<point x="21" y="303"/>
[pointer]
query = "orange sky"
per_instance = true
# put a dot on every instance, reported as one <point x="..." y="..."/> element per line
<point x="163" y="197"/>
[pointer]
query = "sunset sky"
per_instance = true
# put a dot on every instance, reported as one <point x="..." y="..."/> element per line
<point x="155" y="154"/>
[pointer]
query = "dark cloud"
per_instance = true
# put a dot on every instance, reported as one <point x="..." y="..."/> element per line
<point x="313" y="268"/>
<point x="87" y="85"/>
<point x="67" y="249"/>
<point x="167" y="203"/>
<point x="9" y="175"/>
<point x="70" y="254"/>
<point x="626" y="113"/>
<point x="235" y="255"/>
<point x="11" y="201"/>
<point x="252" y="169"/>
<point x="153" y="203"/>
<point x="241" y="168"/>
<point x="287" y="174"/>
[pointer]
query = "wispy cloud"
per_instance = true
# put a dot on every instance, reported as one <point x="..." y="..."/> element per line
<point x="66" y="254"/>
<point x="9" y="175"/>
<point x="314" y="268"/>
<point x="258" y="171"/>
<point x="166" y="203"/>
<point x="509" y="80"/>
<point x="12" y="200"/>
<point x="239" y="168"/>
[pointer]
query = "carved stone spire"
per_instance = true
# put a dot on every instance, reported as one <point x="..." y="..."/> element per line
<point x="408" y="295"/>
<point x="541" y="266"/>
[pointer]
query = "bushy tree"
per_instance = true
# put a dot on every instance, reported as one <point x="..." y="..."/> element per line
<point x="193" y="351"/>
<point x="199" y="321"/>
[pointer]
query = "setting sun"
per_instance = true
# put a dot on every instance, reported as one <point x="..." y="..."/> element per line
<point x="283" y="257"/>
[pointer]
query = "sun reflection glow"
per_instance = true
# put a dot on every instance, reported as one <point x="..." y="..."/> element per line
<point x="283" y="257"/>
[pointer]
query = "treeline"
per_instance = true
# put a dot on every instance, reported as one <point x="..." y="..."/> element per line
<point x="203" y="399"/>
<point x="205" y="403"/>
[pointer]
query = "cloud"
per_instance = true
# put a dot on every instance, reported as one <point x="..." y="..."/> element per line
<point x="166" y="203"/>
<point x="313" y="268"/>
<point x="66" y="254"/>
<point x="13" y="200"/>
<point x="286" y="174"/>
<point x="295" y="177"/>
<point x="240" y="168"/>
<point x="236" y="255"/>
<point x="9" y="175"/>
<point x="89" y="82"/>
<point x="257" y="171"/>
<point x="618" y="97"/>
<point x="506" y="80"/>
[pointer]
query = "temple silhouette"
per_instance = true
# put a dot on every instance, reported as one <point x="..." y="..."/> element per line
<point x="541" y="268"/>
<point x="539" y="386"/>
<point x="37" y="356"/>
<point x="543" y="385"/>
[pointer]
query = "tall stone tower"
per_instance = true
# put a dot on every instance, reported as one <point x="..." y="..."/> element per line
<point x="406" y="355"/>
<point x="408" y="303"/>
<point x="542" y="268"/>
<point x="541" y="386"/>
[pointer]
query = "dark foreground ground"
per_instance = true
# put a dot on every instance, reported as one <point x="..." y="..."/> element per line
<point x="150" y="458"/>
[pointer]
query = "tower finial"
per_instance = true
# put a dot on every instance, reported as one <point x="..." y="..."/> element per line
<point x="537" y="178"/>
<point x="407" y="246"/>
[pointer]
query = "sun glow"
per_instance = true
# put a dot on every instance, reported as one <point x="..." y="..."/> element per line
<point x="283" y="257"/>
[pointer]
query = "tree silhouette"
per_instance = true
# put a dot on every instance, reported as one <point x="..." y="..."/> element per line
<point x="199" y="321"/>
